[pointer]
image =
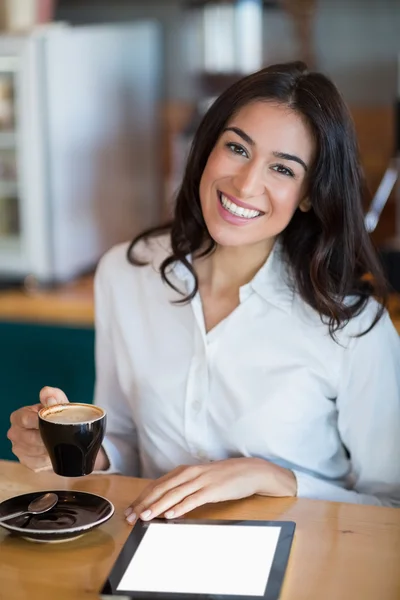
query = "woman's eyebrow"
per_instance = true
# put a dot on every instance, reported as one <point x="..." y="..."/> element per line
<point x="291" y="157"/>
<point x="241" y="134"/>
<point x="251" y="142"/>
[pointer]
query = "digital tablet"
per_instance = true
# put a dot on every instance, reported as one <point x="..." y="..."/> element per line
<point x="192" y="559"/>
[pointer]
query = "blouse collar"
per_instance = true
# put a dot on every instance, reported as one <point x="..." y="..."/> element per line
<point x="272" y="282"/>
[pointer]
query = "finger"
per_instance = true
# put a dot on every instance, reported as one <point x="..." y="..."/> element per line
<point x="157" y="488"/>
<point x="21" y="449"/>
<point x="130" y="513"/>
<point x="149" y="489"/>
<point x="199" y="498"/>
<point x="161" y="485"/>
<point x="171" y="499"/>
<point x="28" y="437"/>
<point x="39" y="463"/>
<point x="49" y="396"/>
<point x="26" y="417"/>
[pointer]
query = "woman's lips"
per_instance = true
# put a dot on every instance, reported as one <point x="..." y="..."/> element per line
<point x="239" y="202"/>
<point x="233" y="219"/>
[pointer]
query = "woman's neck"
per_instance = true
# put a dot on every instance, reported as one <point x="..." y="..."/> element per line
<point x="230" y="267"/>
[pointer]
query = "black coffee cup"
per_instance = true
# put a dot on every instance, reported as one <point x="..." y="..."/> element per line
<point x="73" y="434"/>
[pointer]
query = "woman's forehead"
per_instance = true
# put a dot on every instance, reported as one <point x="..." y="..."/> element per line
<point x="271" y="122"/>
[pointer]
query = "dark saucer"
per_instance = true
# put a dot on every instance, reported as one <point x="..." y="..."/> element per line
<point x="74" y="514"/>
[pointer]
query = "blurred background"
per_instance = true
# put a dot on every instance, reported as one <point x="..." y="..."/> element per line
<point x="98" y="104"/>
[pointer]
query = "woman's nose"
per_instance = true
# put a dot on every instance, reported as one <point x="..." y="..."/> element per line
<point x="248" y="181"/>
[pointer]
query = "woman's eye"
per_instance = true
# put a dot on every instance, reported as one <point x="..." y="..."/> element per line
<point x="283" y="170"/>
<point x="236" y="149"/>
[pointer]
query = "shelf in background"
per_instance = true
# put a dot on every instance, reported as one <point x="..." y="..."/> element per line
<point x="71" y="304"/>
<point x="9" y="243"/>
<point x="8" y="139"/>
<point x="8" y="189"/>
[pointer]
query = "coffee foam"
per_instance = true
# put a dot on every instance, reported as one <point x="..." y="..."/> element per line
<point x="69" y="414"/>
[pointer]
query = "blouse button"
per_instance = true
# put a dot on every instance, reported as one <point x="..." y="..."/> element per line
<point x="201" y="455"/>
<point x="197" y="405"/>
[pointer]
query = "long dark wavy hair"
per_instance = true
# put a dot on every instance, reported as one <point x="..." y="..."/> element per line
<point x="328" y="249"/>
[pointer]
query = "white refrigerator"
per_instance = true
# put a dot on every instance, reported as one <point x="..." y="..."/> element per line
<point x="80" y="166"/>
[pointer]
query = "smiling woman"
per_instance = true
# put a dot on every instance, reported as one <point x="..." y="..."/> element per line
<point x="285" y="138"/>
<point x="239" y="350"/>
<point x="261" y="157"/>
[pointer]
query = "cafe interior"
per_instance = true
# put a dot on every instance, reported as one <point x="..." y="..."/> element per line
<point x="99" y="103"/>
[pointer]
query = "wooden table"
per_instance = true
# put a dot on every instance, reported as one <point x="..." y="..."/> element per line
<point x="340" y="551"/>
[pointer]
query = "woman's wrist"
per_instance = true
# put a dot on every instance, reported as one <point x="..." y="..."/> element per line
<point x="102" y="463"/>
<point x="287" y="482"/>
<point x="277" y="481"/>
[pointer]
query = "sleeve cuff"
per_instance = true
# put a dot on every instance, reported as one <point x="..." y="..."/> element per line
<point x="320" y="489"/>
<point x="112" y="455"/>
<point x="122" y="457"/>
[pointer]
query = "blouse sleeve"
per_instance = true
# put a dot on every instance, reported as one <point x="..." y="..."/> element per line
<point x="368" y="420"/>
<point x="120" y="442"/>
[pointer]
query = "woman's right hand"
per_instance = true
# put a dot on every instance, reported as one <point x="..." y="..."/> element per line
<point x="24" y="433"/>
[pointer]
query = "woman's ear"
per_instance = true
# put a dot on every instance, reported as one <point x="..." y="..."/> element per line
<point x="305" y="204"/>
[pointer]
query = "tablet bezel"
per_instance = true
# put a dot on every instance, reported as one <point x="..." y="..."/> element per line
<point x="131" y="545"/>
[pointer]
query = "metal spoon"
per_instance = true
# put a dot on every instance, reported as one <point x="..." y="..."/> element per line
<point x="36" y="507"/>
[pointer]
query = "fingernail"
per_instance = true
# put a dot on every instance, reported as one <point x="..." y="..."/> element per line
<point x="169" y="514"/>
<point x="145" y="514"/>
<point x="131" y="518"/>
<point x="128" y="511"/>
<point x="51" y="402"/>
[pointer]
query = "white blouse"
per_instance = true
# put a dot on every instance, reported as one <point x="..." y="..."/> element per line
<point x="268" y="381"/>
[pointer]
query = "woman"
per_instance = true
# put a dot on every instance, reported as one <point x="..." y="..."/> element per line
<point x="244" y="343"/>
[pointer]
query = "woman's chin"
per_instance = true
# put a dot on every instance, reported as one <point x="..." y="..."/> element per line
<point x="225" y="235"/>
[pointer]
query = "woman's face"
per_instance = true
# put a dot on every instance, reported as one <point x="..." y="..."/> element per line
<point x="256" y="175"/>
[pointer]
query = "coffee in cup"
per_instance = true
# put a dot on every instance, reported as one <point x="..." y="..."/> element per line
<point x="73" y="434"/>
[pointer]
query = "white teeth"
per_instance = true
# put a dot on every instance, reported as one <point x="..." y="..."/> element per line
<point x="238" y="210"/>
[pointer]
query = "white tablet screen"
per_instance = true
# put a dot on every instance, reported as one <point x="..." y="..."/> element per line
<point x="202" y="559"/>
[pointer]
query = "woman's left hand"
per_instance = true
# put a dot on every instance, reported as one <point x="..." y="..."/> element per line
<point x="187" y="487"/>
